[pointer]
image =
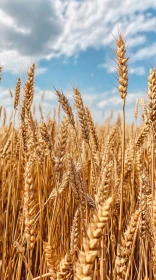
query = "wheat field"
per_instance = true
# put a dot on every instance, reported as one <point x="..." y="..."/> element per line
<point x="78" y="200"/>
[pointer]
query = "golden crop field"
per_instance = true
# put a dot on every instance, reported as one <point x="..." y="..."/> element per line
<point x="78" y="200"/>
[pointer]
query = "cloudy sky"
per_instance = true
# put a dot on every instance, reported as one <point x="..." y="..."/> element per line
<point x="72" y="43"/>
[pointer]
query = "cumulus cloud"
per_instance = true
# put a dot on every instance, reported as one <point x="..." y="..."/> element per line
<point x="32" y="26"/>
<point x="136" y="41"/>
<point x="33" y="31"/>
<point x="48" y="95"/>
<point x="140" y="71"/>
<point x="27" y="30"/>
<point x="115" y="100"/>
<point x="44" y="29"/>
<point x="145" y="53"/>
<point x="86" y="28"/>
<point x="110" y="68"/>
<point x="40" y="71"/>
<point x="4" y="93"/>
<point x="98" y="103"/>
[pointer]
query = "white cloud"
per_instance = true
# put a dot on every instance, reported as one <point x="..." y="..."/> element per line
<point x="104" y="103"/>
<point x="110" y="68"/>
<point x="85" y="28"/>
<point x="89" y="99"/>
<point x="12" y="61"/>
<point x="49" y="28"/>
<point x="145" y="53"/>
<point x="4" y="93"/>
<point x="115" y="103"/>
<point x="140" y="71"/>
<point x="48" y="103"/>
<point x="8" y="21"/>
<point x="136" y="41"/>
<point x="131" y="97"/>
<point x="115" y="100"/>
<point x="48" y="95"/>
<point x="26" y="32"/>
<point x="98" y="116"/>
<point x="101" y="116"/>
<point x="40" y="71"/>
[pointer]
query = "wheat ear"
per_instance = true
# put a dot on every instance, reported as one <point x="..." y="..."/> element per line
<point x="82" y="115"/>
<point x="17" y="93"/>
<point x="123" y="84"/>
<point x="66" y="107"/>
<point x="86" y="258"/>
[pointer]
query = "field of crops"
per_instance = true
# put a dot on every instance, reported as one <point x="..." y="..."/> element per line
<point x="77" y="200"/>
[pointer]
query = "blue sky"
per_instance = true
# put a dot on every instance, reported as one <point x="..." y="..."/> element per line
<point x="72" y="43"/>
